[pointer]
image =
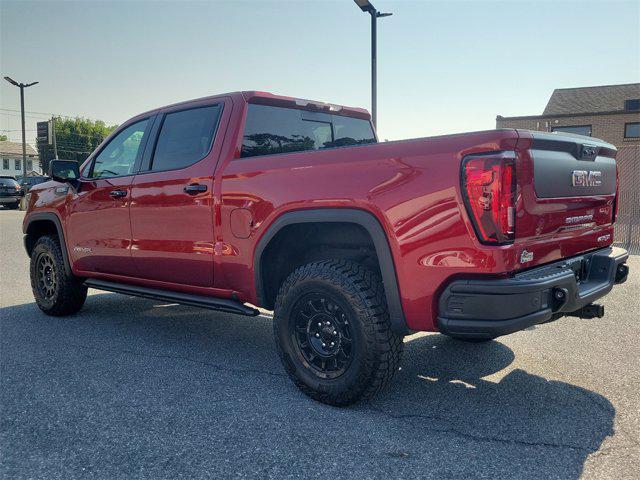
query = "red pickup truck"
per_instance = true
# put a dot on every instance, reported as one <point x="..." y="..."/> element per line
<point x="294" y="206"/>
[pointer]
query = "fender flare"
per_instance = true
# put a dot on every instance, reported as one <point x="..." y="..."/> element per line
<point x="341" y="215"/>
<point x="51" y="217"/>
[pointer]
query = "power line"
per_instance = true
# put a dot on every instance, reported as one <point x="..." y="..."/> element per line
<point x="94" y="135"/>
<point x="18" y="115"/>
<point x="73" y="151"/>
<point x="47" y="114"/>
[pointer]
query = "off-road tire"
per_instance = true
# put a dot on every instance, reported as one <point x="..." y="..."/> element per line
<point x="64" y="293"/>
<point x="375" y="348"/>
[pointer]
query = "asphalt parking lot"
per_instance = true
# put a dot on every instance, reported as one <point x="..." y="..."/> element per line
<point x="132" y="388"/>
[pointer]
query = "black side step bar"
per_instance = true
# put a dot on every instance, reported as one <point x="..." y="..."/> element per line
<point x="212" y="303"/>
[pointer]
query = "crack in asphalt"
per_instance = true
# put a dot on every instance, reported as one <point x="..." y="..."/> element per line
<point x="482" y="438"/>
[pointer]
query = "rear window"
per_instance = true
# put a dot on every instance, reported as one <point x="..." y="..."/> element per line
<point x="8" y="182"/>
<point x="269" y="130"/>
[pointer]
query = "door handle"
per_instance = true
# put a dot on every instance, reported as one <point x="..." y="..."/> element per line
<point x="117" y="193"/>
<point x="195" y="188"/>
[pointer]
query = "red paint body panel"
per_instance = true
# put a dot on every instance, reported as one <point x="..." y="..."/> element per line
<point x="98" y="228"/>
<point x="412" y="187"/>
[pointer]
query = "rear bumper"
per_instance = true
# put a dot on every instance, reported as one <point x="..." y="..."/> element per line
<point x="490" y="308"/>
<point x="12" y="199"/>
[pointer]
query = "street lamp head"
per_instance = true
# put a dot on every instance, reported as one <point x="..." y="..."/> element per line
<point x="12" y="81"/>
<point x="380" y="15"/>
<point x="21" y="85"/>
<point x="365" y="6"/>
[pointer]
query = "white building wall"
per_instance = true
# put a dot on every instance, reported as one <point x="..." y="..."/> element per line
<point x="11" y="165"/>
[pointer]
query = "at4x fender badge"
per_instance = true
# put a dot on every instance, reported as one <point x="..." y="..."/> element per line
<point x="526" y="256"/>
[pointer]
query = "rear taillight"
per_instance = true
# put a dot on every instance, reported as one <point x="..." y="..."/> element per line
<point x="488" y="185"/>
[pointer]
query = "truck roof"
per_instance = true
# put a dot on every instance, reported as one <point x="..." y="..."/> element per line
<point x="266" y="98"/>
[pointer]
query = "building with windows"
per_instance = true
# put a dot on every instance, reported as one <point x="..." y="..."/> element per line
<point x="608" y="112"/>
<point x="11" y="158"/>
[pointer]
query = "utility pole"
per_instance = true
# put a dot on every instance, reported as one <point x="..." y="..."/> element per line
<point x="22" y="86"/>
<point x="53" y="137"/>
<point x="367" y="7"/>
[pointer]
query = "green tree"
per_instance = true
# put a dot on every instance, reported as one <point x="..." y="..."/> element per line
<point x="76" y="138"/>
<point x="3" y="138"/>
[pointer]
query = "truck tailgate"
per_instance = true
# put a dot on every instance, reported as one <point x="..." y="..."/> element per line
<point x="566" y="197"/>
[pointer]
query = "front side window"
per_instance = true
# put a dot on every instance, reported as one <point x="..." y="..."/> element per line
<point x="119" y="156"/>
<point x="632" y="130"/>
<point x="577" y="129"/>
<point x="185" y="137"/>
<point x="270" y="130"/>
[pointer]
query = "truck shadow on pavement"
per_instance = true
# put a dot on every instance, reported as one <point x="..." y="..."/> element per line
<point x="455" y="409"/>
<point x="470" y="392"/>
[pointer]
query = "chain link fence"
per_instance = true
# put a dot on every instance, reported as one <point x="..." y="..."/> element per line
<point x="627" y="226"/>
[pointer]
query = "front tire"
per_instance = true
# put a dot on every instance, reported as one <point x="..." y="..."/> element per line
<point x="13" y="206"/>
<point x="333" y="333"/>
<point x="56" y="292"/>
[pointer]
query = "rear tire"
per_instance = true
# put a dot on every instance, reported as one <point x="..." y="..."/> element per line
<point x="56" y="292"/>
<point x="333" y="333"/>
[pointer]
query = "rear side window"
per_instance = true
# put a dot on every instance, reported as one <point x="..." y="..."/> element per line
<point x="185" y="137"/>
<point x="270" y="130"/>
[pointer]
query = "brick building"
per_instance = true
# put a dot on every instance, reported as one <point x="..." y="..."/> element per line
<point x="608" y="112"/>
<point x="611" y="113"/>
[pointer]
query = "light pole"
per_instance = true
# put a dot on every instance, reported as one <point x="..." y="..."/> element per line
<point x="22" y="86"/>
<point x="366" y="6"/>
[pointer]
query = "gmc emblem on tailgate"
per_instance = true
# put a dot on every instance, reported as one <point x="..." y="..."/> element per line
<point x="583" y="178"/>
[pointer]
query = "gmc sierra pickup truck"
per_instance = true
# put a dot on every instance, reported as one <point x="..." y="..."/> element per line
<point x="252" y="199"/>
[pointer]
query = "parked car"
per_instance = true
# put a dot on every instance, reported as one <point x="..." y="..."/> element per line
<point x="33" y="180"/>
<point x="294" y="206"/>
<point x="10" y="192"/>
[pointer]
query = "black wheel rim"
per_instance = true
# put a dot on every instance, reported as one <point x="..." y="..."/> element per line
<point x="46" y="274"/>
<point x="322" y="334"/>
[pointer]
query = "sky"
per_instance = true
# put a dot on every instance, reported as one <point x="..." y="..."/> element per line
<point x="443" y="66"/>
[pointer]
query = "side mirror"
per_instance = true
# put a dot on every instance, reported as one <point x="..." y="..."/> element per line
<point x="64" y="171"/>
